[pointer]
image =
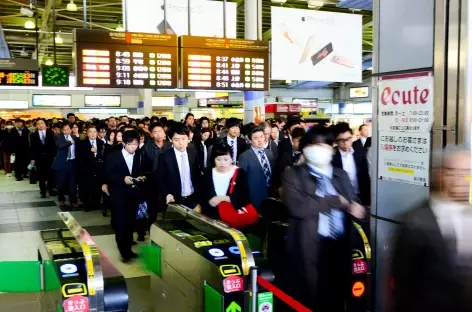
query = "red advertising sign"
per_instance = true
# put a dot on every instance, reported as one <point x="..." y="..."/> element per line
<point x="359" y="267"/>
<point x="76" y="304"/>
<point x="233" y="284"/>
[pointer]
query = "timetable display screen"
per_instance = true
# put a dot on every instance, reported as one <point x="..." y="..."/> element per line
<point x="226" y="64"/>
<point x="126" y="60"/>
<point x="18" y="78"/>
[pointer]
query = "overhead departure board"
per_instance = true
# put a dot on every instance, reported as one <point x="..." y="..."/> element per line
<point x="125" y="60"/>
<point x="18" y="78"/>
<point x="226" y="64"/>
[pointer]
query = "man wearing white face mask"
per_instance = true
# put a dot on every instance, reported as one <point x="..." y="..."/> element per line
<point x="317" y="196"/>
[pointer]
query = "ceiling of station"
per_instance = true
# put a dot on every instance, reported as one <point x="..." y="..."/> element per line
<point x="107" y="14"/>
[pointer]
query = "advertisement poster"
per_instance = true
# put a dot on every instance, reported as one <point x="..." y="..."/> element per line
<point x="404" y="157"/>
<point x="406" y="104"/>
<point x="315" y="45"/>
<point x="206" y="17"/>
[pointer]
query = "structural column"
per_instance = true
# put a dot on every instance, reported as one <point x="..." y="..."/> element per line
<point x="145" y="102"/>
<point x="253" y="100"/>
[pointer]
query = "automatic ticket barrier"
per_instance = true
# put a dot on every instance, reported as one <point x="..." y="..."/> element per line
<point x="85" y="278"/>
<point x="202" y="265"/>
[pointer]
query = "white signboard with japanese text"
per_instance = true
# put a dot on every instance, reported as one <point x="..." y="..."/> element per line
<point x="406" y="104"/>
<point x="404" y="157"/>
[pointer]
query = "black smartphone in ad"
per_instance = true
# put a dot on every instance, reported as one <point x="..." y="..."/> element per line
<point x="322" y="54"/>
<point x="162" y="29"/>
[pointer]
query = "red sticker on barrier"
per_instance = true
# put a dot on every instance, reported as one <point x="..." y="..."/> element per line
<point x="233" y="284"/>
<point x="359" y="267"/>
<point x="76" y="304"/>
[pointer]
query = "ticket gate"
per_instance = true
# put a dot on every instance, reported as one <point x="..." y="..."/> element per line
<point x="356" y="292"/>
<point x="81" y="278"/>
<point x="201" y="264"/>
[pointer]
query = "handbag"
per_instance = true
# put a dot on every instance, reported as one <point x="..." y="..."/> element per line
<point x="237" y="217"/>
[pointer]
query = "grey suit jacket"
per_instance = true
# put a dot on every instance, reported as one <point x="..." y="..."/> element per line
<point x="258" y="189"/>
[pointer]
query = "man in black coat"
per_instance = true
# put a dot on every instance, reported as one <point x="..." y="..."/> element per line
<point x="42" y="152"/>
<point x="353" y="161"/>
<point x="20" y="141"/>
<point x="122" y="173"/>
<point x="236" y="143"/>
<point x="431" y="265"/>
<point x="91" y="153"/>
<point x="65" y="165"/>
<point x="179" y="173"/>
<point x="365" y="141"/>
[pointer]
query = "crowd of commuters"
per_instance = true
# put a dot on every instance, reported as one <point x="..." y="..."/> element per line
<point x="320" y="173"/>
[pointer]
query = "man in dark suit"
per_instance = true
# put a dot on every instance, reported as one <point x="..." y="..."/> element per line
<point x="122" y="172"/>
<point x="236" y="143"/>
<point x="365" y="141"/>
<point x="65" y="165"/>
<point x="42" y="152"/>
<point x="269" y="143"/>
<point x="258" y="163"/>
<point x="353" y="161"/>
<point x="20" y="141"/>
<point x="431" y="253"/>
<point x="285" y="144"/>
<point x="90" y="154"/>
<point x="179" y="173"/>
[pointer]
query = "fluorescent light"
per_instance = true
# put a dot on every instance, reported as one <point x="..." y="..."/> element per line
<point x="119" y="28"/>
<point x="72" y="7"/>
<point x="58" y="39"/>
<point x="288" y="81"/>
<point x="370" y="68"/>
<point x="104" y="111"/>
<point x="279" y="1"/>
<point x="196" y="90"/>
<point x="316" y="3"/>
<point x="13" y="104"/>
<point x="29" y="24"/>
<point x="46" y="88"/>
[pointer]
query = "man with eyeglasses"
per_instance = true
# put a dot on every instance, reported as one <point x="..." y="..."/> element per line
<point x="353" y="161"/>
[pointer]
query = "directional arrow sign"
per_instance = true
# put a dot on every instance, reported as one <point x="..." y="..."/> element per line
<point x="233" y="307"/>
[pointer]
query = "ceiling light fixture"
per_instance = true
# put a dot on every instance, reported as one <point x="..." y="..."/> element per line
<point x="49" y="62"/>
<point x="370" y="68"/>
<point x="58" y="39"/>
<point x="29" y="24"/>
<point x="119" y="28"/>
<point x="279" y="1"/>
<point x="71" y="7"/>
<point x="288" y="81"/>
<point x="313" y="4"/>
<point x="23" y="53"/>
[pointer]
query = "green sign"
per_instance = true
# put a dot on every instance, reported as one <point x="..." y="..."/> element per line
<point x="233" y="307"/>
<point x="265" y="302"/>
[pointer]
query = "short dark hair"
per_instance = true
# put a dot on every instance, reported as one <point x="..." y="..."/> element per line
<point x="189" y="115"/>
<point x="70" y="115"/>
<point x="254" y="130"/>
<point x="340" y="128"/>
<point x="202" y="119"/>
<point x="317" y="134"/>
<point x="205" y="130"/>
<point x="65" y="124"/>
<point x="232" y="122"/>
<point x="178" y="128"/>
<point x="130" y="136"/>
<point x="155" y="125"/>
<point x="290" y="123"/>
<point x="298" y="133"/>
<point x="220" y="149"/>
<point x="362" y="126"/>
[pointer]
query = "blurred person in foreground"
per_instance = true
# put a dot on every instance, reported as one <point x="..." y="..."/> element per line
<point x="317" y="195"/>
<point x="431" y="267"/>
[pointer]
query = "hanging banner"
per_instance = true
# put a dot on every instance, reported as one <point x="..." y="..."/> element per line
<point x="206" y="17"/>
<point x="404" y="157"/>
<point x="406" y="103"/>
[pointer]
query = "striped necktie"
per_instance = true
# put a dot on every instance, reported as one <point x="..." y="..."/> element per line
<point x="265" y="166"/>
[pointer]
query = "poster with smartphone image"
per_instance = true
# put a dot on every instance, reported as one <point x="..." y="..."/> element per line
<point x="315" y="45"/>
<point x="206" y="17"/>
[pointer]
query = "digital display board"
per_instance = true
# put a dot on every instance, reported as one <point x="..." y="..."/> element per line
<point x="224" y="64"/>
<point x="51" y="100"/>
<point x="362" y="92"/>
<point x="125" y="60"/>
<point x="18" y="78"/>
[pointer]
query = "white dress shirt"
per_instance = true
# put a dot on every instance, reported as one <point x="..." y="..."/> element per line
<point x="363" y="140"/>
<point x="129" y="158"/>
<point x="72" y="147"/>
<point x="235" y="148"/>
<point x="94" y="144"/>
<point x="178" y="156"/>
<point x="42" y="135"/>
<point x="349" y="165"/>
<point x="205" y="155"/>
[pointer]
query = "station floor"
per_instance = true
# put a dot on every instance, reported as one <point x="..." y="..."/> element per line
<point x="23" y="213"/>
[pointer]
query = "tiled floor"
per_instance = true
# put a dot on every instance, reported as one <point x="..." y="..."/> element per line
<point x="23" y="213"/>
